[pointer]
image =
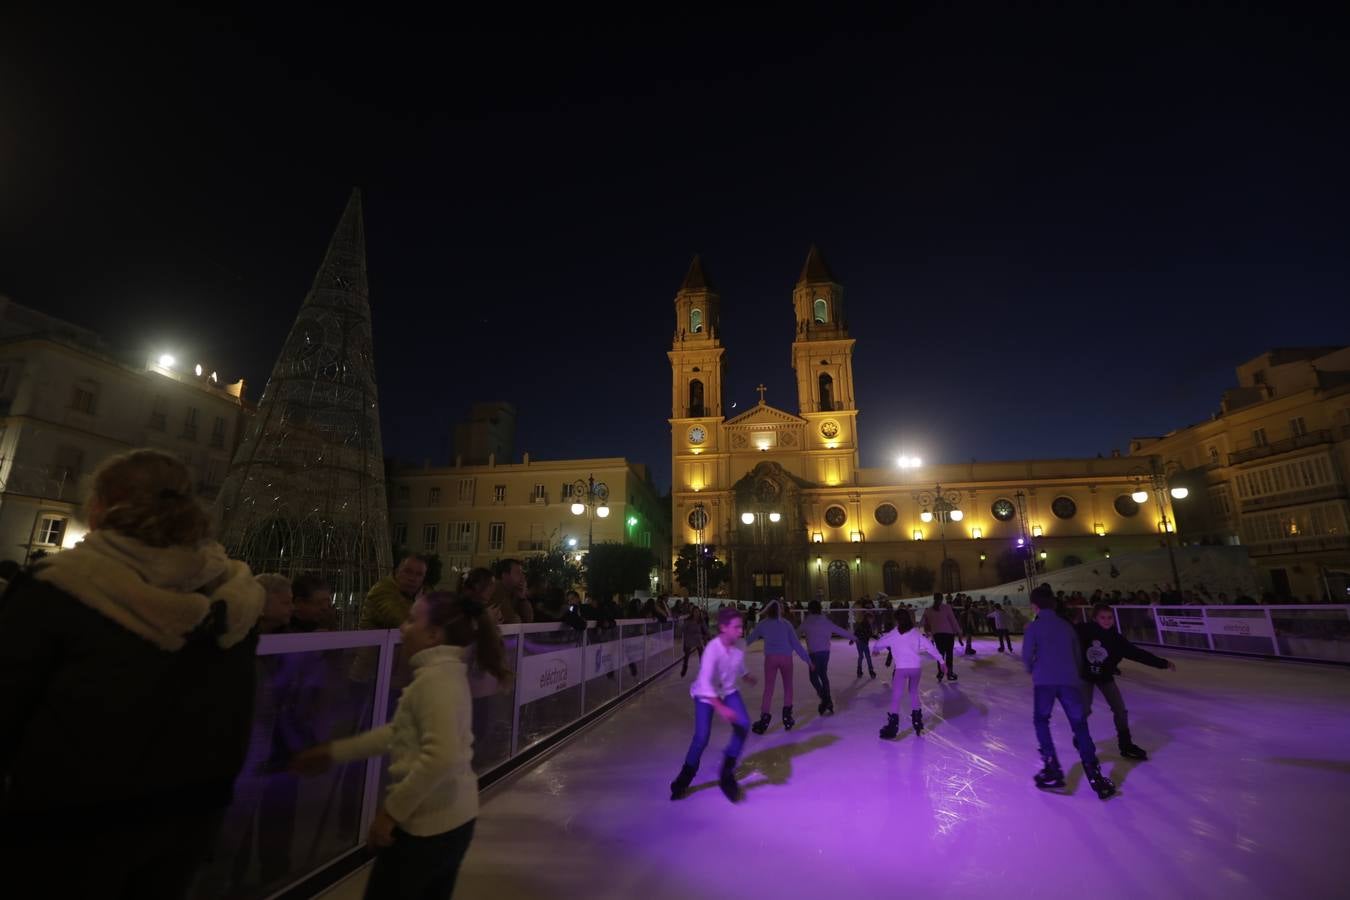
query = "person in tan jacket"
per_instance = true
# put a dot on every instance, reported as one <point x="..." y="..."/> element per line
<point x="940" y="622"/>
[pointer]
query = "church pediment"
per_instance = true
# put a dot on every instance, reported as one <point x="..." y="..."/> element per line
<point x="764" y="415"/>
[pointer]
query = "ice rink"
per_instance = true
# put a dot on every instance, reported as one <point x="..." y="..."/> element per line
<point x="1246" y="795"/>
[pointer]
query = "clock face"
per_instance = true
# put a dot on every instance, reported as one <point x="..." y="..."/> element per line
<point x="697" y="435"/>
<point x="830" y="429"/>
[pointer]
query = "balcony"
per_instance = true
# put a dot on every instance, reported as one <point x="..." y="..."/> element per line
<point x="1300" y="545"/>
<point x="532" y="545"/>
<point x="1311" y="439"/>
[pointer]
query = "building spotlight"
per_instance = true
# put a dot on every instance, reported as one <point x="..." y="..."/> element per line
<point x="166" y="360"/>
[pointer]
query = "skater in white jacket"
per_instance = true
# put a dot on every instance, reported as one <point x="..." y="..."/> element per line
<point x="906" y="644"/>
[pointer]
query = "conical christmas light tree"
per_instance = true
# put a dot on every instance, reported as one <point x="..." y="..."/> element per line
<point x="305" y="492"/>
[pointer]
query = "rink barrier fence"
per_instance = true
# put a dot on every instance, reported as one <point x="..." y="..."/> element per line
<point x="287" y="837"/>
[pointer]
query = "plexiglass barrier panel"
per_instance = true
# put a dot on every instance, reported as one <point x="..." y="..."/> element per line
<point x="279" y="827"/>
<point x="1137" y="624"/>
<point x="634" y="649"/>
<point x="549" y="683"/>
<point x="1237" y="630"/>
<point x="1183" y="626"/>
<point x="601" y="661"/>
<point x="494" y="711"/>
<point x="1313" y="633"/>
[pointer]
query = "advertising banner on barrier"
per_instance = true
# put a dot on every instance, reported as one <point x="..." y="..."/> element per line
<point x="660" y="641"/>
<point x="632" y="648"/>
<point x="548" y="673"/>
<point x="1191" y="624"/>
<point x="1246" y="623"/>
<point x="602" y="658"/>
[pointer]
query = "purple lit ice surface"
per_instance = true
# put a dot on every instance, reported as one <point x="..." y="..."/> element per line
<point x="1243" y="797"/>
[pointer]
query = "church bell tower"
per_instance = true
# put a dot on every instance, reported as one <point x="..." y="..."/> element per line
<point x="822" y="358"/>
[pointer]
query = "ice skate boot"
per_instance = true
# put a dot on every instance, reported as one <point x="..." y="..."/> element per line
<point x="727" y="781"/>
<point x="859" y="675"/>
<point x="940" y="676"/>
<point x="788" y="721"/>
<point x="916" y="719"/>
<point x="1129" y="749"/>
<point x="762" y="725"/>
<point x="872" y="673"/>
<point x="1050" y="777"/>
<point x="891" y="729"/>
<point x="680" y="785"/>
<point x="889" y="660"/>
<point x="1100" y="783"/>
<point x="951" y="675"/>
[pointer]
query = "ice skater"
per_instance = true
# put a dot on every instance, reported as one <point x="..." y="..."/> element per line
<point x="1000" y="620"/>
<point x="780" y="642"/>
<point x="940" y="622"/>
<point x="1051" y="654"/>
<point x="906" y="644"/>
<point x="1103" y="648"/>
<point x="862" y="636"/>
<point x="818" y="630"/>
<point x="714" y="691"/>
<point x="695" y="636"/>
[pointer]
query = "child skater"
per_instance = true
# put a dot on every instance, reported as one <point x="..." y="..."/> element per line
<point x="1050" y="653"/>
<point x="818" y="630"/>
<point x="1103" y="649"/>
<point x="863" y="634"/>
<point x="1000" y="620"/>
<point x="424" y="827"/>
<point x="714" y="690"/>
<point x="780" y="642"/>
<point x="906" y="644"/>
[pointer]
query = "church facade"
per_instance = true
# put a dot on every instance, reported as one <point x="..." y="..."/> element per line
<point x="782" y="498"/>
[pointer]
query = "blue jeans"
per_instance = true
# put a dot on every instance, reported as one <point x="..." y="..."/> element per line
<point x="703" y="716"/>
<point x="820" y="675"/>
<point x="864" y="652"/>
<point x="1070" y="696"/>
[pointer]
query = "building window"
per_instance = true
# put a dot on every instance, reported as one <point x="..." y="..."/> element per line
<point x="1003" y="509"/>
<point x="218" y="432"/>
<point x="461" y="537"/>
<point x="466" y="490"/>
<point x="822" y="311"/>
<point x="159" y="415"/>
<point x="1214" y="456"/>
<point x="540" y="495"/>
<point x="50" y="532"/>
<point x="695" y="398"/>
<point x="839" y="588"/>
<point x="1064" y="507"/>
<point x="1297" y="427"/>
<point x="890" y="578"/>
<point x="695" y="320"/>
<point x="400" y="534"/>
<point x="835" y="517"/>
<point x="431" y="535"/>
<point x="886" y="515"/>
<point x="85" y="397"/>
<point x="1259" y="437"/>
<point x="433" y="496"/>
<point x="404" y="493"/>
<point x="567" y="490"/>
<point x="826" y="392"/>
<point x="190" y="424"/>
<point x="496" y="535"/>
<point x="499" y="493"/>
<point x="215" y="472"/>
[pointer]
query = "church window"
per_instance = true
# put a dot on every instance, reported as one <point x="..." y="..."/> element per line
<point x="695" y="320"/>
<point x="695" y="398"/>
<point x="835" y="516"/>
<point x="886" y="514"/>
<point x="839" y="581"/>
<point x="890" y="577"/>
<point x="826" y="392"/>
<point x="822" y="310"/>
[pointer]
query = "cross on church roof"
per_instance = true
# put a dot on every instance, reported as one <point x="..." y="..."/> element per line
<point x="761" y="388"/>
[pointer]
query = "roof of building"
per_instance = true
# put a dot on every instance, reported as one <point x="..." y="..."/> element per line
<point x="696" y="279"/>
<point x="815" y="270"/>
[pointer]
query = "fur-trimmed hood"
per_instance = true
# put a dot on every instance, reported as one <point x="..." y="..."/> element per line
<point x="159" y="593"/>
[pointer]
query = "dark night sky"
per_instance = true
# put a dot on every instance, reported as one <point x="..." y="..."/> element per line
<point x="1055" y="232"/>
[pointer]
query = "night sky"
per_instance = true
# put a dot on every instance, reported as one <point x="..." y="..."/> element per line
<point x="1055" y="231"/>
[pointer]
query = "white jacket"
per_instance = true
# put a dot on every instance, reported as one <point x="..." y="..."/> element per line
<point x="433" y="788"/>
<point x="905" y="648"/>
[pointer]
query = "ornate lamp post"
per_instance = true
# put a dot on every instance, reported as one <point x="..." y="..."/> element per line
<point x="943" y="506"/>
<point x="589" y="498"/>
<point x="758" y="520"/>
<point x="1158" y="480"/>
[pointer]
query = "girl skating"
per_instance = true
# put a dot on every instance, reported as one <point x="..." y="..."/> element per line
<point x="906" y="644"/>
<point x="714" y="691"/>
<point x="780" y="642"/>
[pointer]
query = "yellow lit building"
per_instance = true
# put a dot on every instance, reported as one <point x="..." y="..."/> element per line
<point x="1269" y="470"/>
<point x="782" y="496"/>
<point x="474" y="515"/>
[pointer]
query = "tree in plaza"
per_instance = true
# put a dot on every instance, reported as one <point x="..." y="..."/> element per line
<point x="616" y="568"/>
<point x="687" y="565"/>
<point x="918" y="578"/>
<point x="556" y="568"/>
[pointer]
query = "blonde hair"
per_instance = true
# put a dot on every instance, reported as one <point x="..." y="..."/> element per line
<point x="148" y="495"/>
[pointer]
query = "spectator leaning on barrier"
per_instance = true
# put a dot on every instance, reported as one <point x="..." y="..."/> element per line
<point x="312" y="598"/>
<point x="126" y="691"/>
<point x="278" y="603"/>
<point x="508" y="601"/>
<point x="389" y="600"/>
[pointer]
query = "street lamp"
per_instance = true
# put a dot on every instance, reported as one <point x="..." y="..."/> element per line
<point x="1158" y="481"/>
<point x="943" y="508"/>
<point x="589" y="499"/>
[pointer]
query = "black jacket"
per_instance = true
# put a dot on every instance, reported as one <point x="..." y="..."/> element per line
<point x="99" y="727"/>
<point x="1103" y="650"/>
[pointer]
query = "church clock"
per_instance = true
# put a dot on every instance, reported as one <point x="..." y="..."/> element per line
<point x="830" y="429"/>
<point x="697" y="435"/>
